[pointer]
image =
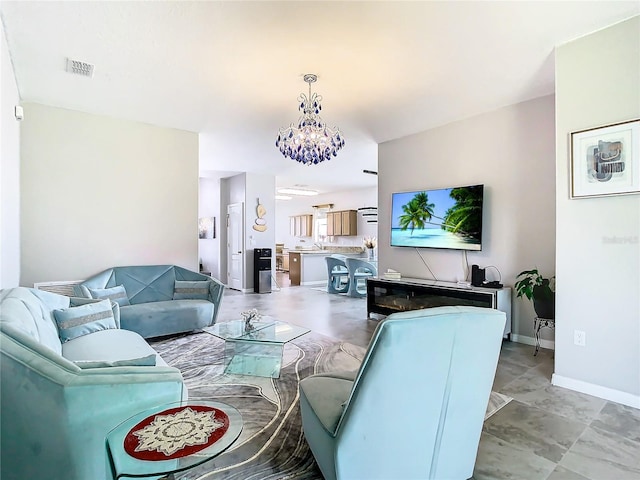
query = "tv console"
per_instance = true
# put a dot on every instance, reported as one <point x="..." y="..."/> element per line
<point x="386" y="296"/>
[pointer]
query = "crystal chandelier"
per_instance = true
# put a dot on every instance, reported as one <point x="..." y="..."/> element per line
<point x="312" y="141"/>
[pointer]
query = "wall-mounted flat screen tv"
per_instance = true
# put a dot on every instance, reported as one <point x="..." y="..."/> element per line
<point x="445" y="218"/>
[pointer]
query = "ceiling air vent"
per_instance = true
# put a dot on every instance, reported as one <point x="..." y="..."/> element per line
<point x="80" y="68"/>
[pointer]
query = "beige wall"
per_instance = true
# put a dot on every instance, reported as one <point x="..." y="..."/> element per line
<point x="598" y="281"/>
<point x="98" y="192"/>
<point x="511" y="152"/>
<point x="9" y="172"/>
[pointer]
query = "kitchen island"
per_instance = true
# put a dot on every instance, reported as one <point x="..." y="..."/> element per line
<point x="308" y="267"/>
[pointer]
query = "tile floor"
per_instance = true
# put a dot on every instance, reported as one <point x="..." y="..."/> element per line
<point x="546" y="432"/>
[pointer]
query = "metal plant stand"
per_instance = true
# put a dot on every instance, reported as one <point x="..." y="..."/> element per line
<point x="538" y="324"/>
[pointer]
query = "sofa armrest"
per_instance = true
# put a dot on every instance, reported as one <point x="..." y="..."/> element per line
<point x="216" y="289"/>
<point x="77" y="301"/>
<point x="67" y="412"/>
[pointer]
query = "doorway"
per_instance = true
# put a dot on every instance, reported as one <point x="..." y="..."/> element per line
<point x="235" y="246"/>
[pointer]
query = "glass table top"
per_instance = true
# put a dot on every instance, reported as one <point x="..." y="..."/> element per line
<point x="267" y="330"/>
<point x="126" y="466"/>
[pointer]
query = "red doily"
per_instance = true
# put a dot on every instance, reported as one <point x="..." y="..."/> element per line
<point x="176" y="432"/>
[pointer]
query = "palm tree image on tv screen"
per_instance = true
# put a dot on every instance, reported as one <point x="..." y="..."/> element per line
<point x="445" y="218"/>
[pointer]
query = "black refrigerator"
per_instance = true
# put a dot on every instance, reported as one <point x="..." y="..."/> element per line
<point x="262" y="270"/>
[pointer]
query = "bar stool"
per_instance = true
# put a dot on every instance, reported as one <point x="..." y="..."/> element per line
<point x="359" y="271"/>
<point x="337" y="274"/>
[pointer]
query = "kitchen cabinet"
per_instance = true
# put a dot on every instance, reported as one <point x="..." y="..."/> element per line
<point x="349" y="222"/>
<point x="337" y="223"/>
<point x="344" y="222"/>
<point x="301" y="225"/>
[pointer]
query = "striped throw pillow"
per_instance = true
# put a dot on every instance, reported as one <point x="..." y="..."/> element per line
<point x="190" y="290"/>
<point x="118" y="294"/>
<point x="75" y="322"/>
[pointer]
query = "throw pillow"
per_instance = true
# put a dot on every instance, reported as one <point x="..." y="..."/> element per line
<point x="146" y="361"/>
<point x="118" y="294"/>
<point x="193" y="290"/>
<point x="75" y="322"/>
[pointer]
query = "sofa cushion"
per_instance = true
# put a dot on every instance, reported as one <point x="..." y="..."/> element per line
<point x="327" y="397"/>
<point x="78" y="321"/>
<point x="191" y="290"/>
<point x="156" y="319"/>
<point x="146" y="361"/>
<point x="109" y="346"/>
<point x="117" y="294"/>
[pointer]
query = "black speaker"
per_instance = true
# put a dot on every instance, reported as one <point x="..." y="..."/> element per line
<point x="477" y="276"/>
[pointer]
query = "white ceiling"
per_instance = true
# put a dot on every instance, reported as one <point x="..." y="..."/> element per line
<point x="233" y="70"/>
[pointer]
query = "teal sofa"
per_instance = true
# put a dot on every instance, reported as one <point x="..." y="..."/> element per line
<point x="416" y="406"/>
<point x="61" y="396"/>
<point x="157" y="300"/>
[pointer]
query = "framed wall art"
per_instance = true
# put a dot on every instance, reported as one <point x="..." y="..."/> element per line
<point x="606" y="160"/>
<point x="207" y="227"/>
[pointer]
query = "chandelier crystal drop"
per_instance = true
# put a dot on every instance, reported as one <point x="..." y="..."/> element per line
<point x="312" y="141"/>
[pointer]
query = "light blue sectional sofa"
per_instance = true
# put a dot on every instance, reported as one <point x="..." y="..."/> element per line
<point x="69" y="374"/>
<point x="157" y="300"/>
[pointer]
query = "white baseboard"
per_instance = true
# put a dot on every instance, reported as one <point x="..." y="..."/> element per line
<point x="596" y="390"/>
<point x="532" y="341"/>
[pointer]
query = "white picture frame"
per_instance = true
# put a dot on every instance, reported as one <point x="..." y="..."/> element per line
<point x="605" y="160"/>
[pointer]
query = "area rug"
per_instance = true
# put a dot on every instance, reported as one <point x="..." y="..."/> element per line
<point x="271" y="445"/>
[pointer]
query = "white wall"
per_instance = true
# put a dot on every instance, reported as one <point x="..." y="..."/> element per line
<point x="511" y="152"/>
<point x="350" y="200"/>
<point x="98" y="192"/>
<point x="259" y="188"/>
<point x="9" y="172"/>
<point x="598" y="281"/>
<point x="247" y="188"/>
<point x="209" y="206"/>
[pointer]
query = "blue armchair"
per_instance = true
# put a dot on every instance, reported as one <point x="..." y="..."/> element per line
<point x="415" y="407"/>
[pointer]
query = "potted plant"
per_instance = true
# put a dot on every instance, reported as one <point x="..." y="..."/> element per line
<point x="538" y="289"/>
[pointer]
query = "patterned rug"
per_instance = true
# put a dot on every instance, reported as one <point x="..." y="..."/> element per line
<point x="271" y="445"/>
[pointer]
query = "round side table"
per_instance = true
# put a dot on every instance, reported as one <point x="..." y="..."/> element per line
<point x="177" y="425"/>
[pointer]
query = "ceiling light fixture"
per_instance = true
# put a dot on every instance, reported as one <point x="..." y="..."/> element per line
<point x="297" y="191"/>
<point x="312" y="141"/>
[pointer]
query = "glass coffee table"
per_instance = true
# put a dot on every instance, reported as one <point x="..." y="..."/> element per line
<point x="258" y="350"/>
<point x="171" y="438"/>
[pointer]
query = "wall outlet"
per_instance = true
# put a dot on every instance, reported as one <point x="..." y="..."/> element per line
<point x="579" y="338"/>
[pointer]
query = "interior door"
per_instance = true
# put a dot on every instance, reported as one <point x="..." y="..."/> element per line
<point x="235" y="245"/>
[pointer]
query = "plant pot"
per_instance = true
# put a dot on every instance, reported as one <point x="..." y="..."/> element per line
<point x="545" y="306"/>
